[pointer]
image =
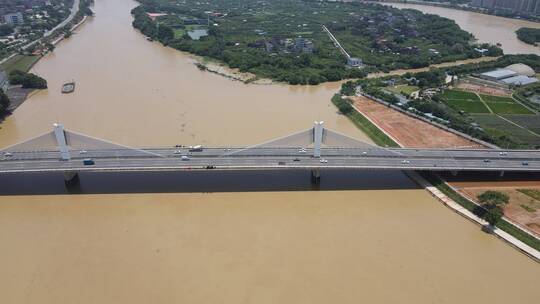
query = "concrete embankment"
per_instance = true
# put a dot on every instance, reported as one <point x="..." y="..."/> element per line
<point x="406" y="138"/>
<point x="514" y="242"/>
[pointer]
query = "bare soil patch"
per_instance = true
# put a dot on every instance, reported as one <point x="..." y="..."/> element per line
<point x="408" y="131"/>
<point x="521" y="208"/>
<point x="482" y="89"/>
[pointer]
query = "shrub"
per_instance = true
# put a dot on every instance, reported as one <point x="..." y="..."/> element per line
<point x="494" y="198"/>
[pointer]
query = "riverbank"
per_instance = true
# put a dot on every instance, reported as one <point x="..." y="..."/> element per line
<point x="485" y="28"/>
<point x="438" y="65"/>
<point x="380" y="130"/>
<point x="458" y="7"/>
<point x="16" y="94"/>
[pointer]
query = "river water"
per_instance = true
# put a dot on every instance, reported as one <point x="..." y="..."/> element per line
<point x="484" y="27"/>
<point x="196" y="238"/>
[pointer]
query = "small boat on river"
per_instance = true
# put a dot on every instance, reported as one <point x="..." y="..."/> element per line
<point x="68" y="87"/>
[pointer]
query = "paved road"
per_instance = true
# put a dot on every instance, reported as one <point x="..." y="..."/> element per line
<point x="273" y="158"/>
<point x="74" y="10"/>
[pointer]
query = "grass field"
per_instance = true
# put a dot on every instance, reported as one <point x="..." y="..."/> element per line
<point x="504" y="105"/>
<point x="496" y="126"/>
<point x="403" y="89"/>
<point x="19" y="62"/>
<point x="531" y="122"/>
<point x="464" y="101"/>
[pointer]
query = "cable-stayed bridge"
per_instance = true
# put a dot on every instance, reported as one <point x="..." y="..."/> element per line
<point x="70" y="152"/>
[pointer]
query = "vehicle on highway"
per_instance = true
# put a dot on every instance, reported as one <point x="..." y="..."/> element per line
<point x="487" y="160"/>
<point x="525" y="163"/>
<point x="303" y="150"/>
<point x="7" y="154"/>
<point x="83" y="152"/>
<point x="88" y="162"/>
<point x="177" y="152"/>
<point x="405" y="161"/>
<point x="281" y="163"/>
<point x="503" y="153"/>
<point x="296" y="159"/>
<point x="323" y="161"/>
<point x="197" y="148"/>
<point x="185" y="157"/>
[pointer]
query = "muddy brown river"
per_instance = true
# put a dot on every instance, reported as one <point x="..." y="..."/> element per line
<point x="485" y="28"/>
<point x="231" y="237"/>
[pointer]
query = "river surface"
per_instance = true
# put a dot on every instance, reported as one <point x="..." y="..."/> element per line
<point x="485" y="28"/>
<point x="230" y="238"/>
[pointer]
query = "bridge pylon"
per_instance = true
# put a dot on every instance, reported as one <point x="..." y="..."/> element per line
<point x="317" y="138"/>
<point x="60" y="135"/>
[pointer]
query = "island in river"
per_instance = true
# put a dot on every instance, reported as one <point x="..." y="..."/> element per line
<point x="285" y="41"/>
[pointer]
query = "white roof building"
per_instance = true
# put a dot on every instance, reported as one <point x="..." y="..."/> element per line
<point x="498" y="74"/>
<point x="520" y="80"/>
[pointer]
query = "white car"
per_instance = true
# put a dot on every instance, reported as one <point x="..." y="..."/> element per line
<point x="7" y="154"/>
<point x="83" y="152"/>
<point x="177" y="152"/>
<point x="185" y="157"/>
<point x="323" y="161"/>
<point x="405" y="161"/>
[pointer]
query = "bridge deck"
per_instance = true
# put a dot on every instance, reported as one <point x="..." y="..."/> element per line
<point x="273" y="158"/>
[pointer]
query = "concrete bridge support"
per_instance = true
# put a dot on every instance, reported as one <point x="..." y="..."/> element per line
<point x="60" y="136"/>
<point x="71" y="178"/>
<point x="316" y="176"/>
<point x="317" y="138"/>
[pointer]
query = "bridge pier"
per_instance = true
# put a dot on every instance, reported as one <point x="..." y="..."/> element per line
<point x="71" y="178"/>
<point x="316" y="176"/>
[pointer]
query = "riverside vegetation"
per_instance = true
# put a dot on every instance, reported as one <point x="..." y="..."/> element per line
<point x="529" y="35"/>
<point x="462" y="117"/>
<point x="492" y="201"/>
<point x="284" y="40"/>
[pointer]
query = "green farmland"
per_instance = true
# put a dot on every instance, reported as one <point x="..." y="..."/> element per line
<point x="464" y="101"/>
<point x="504" y="105"/>
<point x="19" y="62"/>
<point x="497" y="127"/>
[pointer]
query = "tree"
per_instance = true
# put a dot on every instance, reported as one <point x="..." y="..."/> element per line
<point x="165" y="33"/>
<point x="27" y="80"/>
<point x="493" y="215"/>
<point x="5" y="29"/>
<point x="343" y="105"/>
<point x="4" y="102"/>
<point x="493" y="198"/>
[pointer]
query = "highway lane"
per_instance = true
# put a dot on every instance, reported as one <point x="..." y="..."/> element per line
<point x="263" y="162"/>
<point x="271" y="158"/>
<point x="243" y="152"/>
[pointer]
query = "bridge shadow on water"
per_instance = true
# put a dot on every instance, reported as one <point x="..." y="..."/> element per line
<point x="202" y="181"/>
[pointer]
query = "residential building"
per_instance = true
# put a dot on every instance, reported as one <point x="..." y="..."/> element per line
<point x="528" y="7"/>
<point x="14" y="18"/>
<point x="354" y="62"/>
